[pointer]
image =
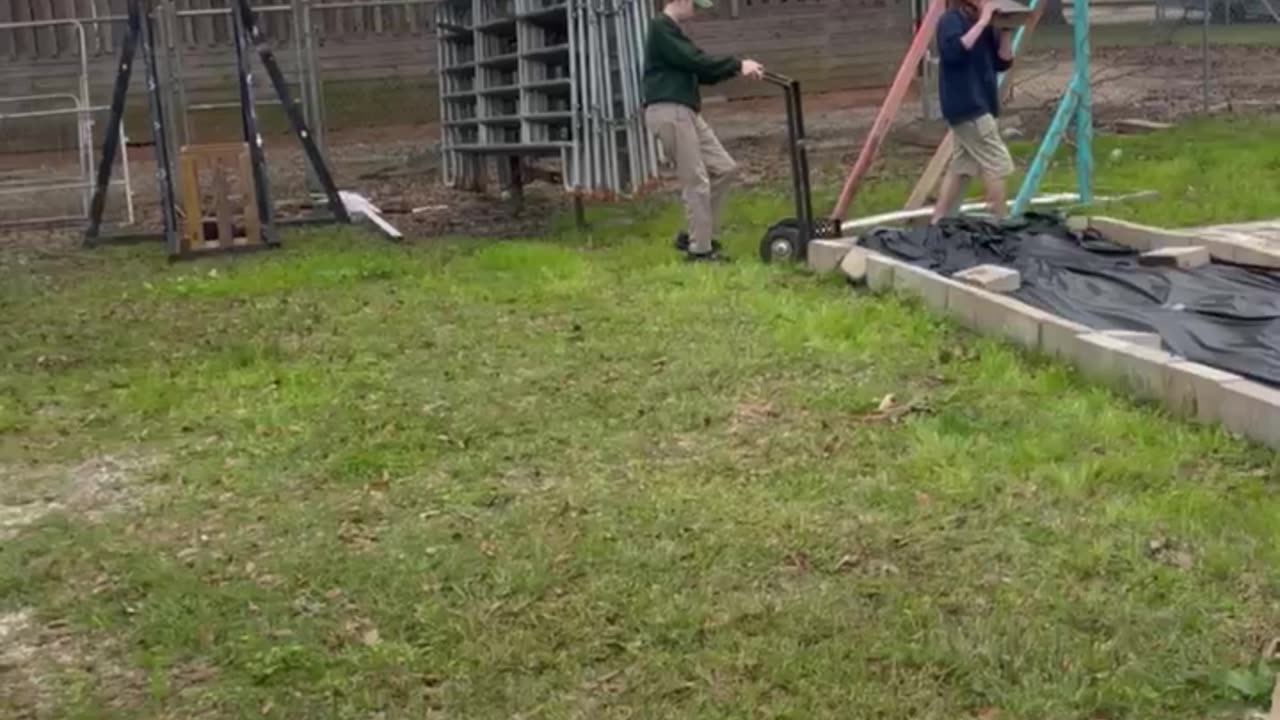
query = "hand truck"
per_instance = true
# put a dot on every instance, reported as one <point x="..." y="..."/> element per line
<point x="788" y="240"/>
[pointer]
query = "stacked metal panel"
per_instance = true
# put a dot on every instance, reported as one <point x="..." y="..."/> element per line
<point x="554" y="79"/>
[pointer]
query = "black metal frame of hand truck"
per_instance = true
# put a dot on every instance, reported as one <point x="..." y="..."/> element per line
<point x="788" y="240"/>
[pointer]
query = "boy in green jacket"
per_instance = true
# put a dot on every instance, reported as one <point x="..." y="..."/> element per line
<point x="674" y="69"/>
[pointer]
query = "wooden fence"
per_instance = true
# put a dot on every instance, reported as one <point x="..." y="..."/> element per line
<point x="827" y="44"/>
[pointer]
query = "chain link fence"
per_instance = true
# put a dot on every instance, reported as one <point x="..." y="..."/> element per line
<point x="1156" y="60"/>
<point x="362" y="71"/>
<point x="365" y="71"/>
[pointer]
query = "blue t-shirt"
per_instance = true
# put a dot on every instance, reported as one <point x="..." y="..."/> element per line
<point x="967" y="78"/>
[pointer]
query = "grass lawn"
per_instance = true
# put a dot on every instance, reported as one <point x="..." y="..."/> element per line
<point x="574" y="478"/>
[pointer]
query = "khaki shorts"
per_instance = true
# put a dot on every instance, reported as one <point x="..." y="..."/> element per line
<point x="979" y="151"/>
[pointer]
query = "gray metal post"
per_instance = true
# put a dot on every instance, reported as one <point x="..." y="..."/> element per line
<point x="1204" y="56"/>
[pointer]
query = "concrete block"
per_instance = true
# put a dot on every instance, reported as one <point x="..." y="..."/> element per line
<point x="1138" y="369"/>
<point x="1268" y="231"/>
<point x="994" y="314"/>
<point x="992" y="278"/>
<point x="1183" y="258"/>
<point x="1195" y="391"/>
<point x="1078" y="223"/>
<point x="854" y="264"/>
<point x="880" y="270"/>
<point x="1221" y="245"/>
<point x="1096" y="355"/>
<point x="1230" y="245"/>
<point x="1252" y="251"/>
<point x="1143" y="339"/>
<point x="1219" y="250"/>
<point x="1060" y="337"/>
<point x="927" y="285"/>
<point x="824" y="256"/>
<point x="1143" y="371"/>
<point x="1253" y="410"/>
<point x="1139" y="237"/>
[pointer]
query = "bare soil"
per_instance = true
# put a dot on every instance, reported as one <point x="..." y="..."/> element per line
<point x="88" y="491"/>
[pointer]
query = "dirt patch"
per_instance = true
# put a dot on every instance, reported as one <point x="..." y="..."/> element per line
<point x="38" y="660"/>
<point x="750" y="414"/>
<point x="90" y="491"/>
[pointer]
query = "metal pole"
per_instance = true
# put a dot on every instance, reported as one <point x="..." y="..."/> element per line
<point x="650" y="140"/>
<point x="314" y="100"/>
<point x="179" y="64"/>
<point x="611" y="131"/>
<point x="1084" y="102"/>
<point x="249" y="123"/>
<point x="304" y="71"/>
<point x="159" y="132"/>
<point x="443" y="63"/>
<point x="1048" y="146"/>
<point x="573" y="171"/>
<point x="111" y="141"/>
<point x="1204" y="57"/>
<point x="591" y="95"/>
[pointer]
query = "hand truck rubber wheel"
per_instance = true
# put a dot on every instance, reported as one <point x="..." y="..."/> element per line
<point x="782" y="243"/>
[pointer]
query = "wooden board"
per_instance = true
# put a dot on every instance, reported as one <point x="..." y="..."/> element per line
<point x="219" y="159"/>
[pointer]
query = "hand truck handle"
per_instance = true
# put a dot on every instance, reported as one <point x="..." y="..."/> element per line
<point x="777" y="79"/>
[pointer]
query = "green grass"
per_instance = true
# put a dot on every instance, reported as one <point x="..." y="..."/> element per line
<point x="572" y="477"/>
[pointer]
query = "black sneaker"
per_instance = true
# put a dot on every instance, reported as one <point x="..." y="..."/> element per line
<point x="714" y="256"/>
<point x="682" y="243"/>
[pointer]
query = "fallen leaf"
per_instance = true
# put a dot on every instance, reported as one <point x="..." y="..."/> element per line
<point x="989" y="713"/>
<point x="847" y="563"/>
<point x="890" y="412"/>
<point x="370" y="637"/>
<point x="799" y="562"/>
<point x="382" y="484"/>
<point x="888" y="569"/>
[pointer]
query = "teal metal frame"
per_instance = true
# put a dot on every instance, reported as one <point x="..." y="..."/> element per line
<point x="1075" y="107"/>
<point x="1017" y="42"/>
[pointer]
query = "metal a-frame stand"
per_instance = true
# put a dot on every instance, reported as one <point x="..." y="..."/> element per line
<point x="141" y="32"/>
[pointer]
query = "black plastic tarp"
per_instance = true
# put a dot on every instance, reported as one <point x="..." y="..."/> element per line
<point x="1223" y="315"/>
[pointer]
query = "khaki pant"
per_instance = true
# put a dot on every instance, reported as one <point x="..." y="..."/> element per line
<point x="979" y="150"/>
<point x="704" y="168"/>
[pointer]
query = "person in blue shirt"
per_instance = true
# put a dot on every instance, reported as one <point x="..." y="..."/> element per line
<point x="972" y="53"/>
